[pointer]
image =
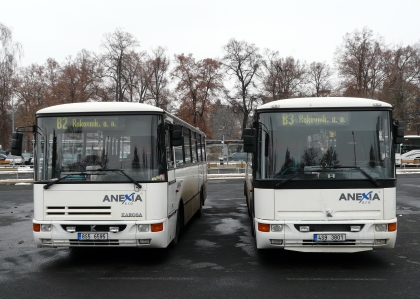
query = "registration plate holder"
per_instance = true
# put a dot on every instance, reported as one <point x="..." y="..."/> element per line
<point x="92" y="236"/>
<point x="329" y="237"/>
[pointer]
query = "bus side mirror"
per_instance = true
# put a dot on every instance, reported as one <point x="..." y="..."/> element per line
<point x="398" y="127"/>
<point x="249" y="137"/>
<point x="17" y="139"/>
<point x="177" y="137"/>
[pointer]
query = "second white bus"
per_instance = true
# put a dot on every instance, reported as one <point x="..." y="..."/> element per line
<point x="115" y="174"/>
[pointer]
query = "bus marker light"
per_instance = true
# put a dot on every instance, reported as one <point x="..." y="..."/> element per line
<point x="304" y="228"/>
<point x="114" y="229"/>
<point x="263" y="227"/>
<point x="70" y="229"/>
<point x="157" y="227"/>
<point x="36" y="227"/>
<point x="392" y="227"/>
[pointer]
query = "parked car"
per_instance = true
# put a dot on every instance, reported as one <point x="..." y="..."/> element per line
<point x="28" y="158"/>
<point x="3" y="160"/>
<point x="239" y="156"/>
<point x="15" y="160"/>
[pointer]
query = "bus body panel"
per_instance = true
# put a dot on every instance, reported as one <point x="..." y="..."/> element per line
<point x="339" y="203"/>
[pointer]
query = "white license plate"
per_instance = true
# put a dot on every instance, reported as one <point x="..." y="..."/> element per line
<point x="92" y="236"/>
<point x="329" y="237"/>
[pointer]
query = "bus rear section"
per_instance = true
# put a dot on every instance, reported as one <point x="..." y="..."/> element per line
<point x="322" y="177"/>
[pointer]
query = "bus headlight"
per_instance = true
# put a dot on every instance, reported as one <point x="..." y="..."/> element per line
<point x="46" y="227"/>
<point x="143" y="228"/>
<point x="381" y="227"/>
<point x="277" y="227"/>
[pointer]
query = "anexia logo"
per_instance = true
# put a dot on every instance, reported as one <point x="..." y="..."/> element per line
<point x="363" y="198"/>
<point x="125" y="199"/>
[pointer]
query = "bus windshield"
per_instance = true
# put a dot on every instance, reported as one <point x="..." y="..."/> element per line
<point x="325" y="145"/>
<point x="88" y="148"/>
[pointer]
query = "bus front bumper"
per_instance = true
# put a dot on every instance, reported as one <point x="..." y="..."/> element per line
<point x="325" y="236"/>
<point x="101" y="233"/>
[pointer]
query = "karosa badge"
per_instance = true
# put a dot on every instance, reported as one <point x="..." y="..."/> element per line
<point x="125" y="199"/>
<point x="363" y="198"/>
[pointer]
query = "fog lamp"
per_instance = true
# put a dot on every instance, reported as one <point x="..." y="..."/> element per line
<point x="46" y="241"/>
<point x="276" y="241"/>
<point x="380" y="242"/>
<point x="355" y="228"/>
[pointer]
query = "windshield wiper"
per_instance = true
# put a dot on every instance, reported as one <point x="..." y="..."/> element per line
<point x="120" y="171"/>
<point x="292" y="177"/>
<point x="47" y="186"/>
<point x="372" y="179"/>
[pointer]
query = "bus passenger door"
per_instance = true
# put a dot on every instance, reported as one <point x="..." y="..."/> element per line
<point x="172" y="184"/>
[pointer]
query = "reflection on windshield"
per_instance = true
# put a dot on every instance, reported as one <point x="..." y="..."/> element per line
<point x="325" y="145"/>
<point x="90" y="144"/>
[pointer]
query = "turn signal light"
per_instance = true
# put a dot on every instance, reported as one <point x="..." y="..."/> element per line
<point x="392" y="227"/>
<point x="156" y="227"/>
<point x="37" y="227"/>
<point x="262" y="227"/>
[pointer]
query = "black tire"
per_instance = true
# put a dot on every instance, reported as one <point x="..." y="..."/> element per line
<point x="179" y="225"/>
<point x="200" y="209"/>
<point x="252" y="220"/>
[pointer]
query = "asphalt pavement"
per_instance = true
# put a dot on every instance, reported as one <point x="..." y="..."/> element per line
<point x="215" y="258"/>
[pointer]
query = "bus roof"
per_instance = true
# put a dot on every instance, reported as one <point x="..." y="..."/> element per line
<point x="324" y="102"/>
<point x="100" y="107"/>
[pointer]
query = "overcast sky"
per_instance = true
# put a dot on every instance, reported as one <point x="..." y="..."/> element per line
<point x="309" y="30"/>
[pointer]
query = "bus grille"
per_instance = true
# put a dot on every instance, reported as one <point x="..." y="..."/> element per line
<point x="75" y="211"/>
<point x="345" y="243"/>
<point x="328" y="227"/>
<point x="75" y="242"/>
<point x="94" y="228"/>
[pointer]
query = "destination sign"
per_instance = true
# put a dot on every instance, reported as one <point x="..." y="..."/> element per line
<point x="74" y="124"/>
<point x="314" y="118"/>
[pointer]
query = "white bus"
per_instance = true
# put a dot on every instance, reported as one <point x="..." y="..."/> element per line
<point x="115" y="174"/>
<point x="409" y="149"/>
<point x="322" y="175"/>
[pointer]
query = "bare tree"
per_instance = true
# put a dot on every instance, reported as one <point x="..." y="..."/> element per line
<point x="283" y="78"/>
<point x="242" y="61"/>
<point x="78" y="78"/>
<point x="402" y="87"/>
<point x="157" y="67"/>
<point x="361" y="64"/>
<point x="118" y="46"/>
<point x="319" y="76"/>
<point x="10" y="54"/>
<point x="199" y="83"/>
